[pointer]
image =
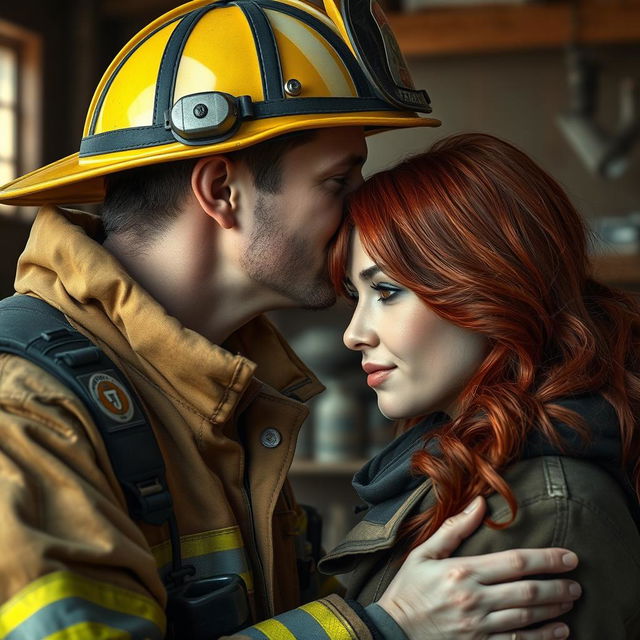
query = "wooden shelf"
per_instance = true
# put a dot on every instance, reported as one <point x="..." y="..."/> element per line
<point x="481" y="28"/>
<point x="302" y="467"/>
<point x="514" y="27"/>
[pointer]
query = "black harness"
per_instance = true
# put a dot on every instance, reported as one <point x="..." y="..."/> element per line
<point x="34" y="330"/>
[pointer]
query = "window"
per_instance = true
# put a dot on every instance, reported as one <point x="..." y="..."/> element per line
<point x="19" y="106"/>
<point x="8" y="113"/>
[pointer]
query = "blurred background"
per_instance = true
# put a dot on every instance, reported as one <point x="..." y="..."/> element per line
<point x="559" y="78"/>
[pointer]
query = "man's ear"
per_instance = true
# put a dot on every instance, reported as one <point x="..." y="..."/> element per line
<point x="210" y="184"/>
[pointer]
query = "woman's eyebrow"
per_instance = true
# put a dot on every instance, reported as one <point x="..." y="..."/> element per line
<point x="369" y="272"/>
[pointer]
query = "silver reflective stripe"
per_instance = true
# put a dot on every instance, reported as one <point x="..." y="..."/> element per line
<point x="79" y="613"/>
<point x="214" y="552"/>
<point x="62" y="605"/>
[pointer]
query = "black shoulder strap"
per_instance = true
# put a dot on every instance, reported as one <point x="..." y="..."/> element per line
<point x="33" y="329"/>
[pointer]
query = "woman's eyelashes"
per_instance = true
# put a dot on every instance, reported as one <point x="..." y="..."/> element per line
<point x="386" y="291"/>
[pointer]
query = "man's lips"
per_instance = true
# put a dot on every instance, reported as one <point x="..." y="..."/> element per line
<point x="377" y="373"/>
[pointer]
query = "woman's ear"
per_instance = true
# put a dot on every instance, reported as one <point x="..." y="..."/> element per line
<point x="210" y="184"/>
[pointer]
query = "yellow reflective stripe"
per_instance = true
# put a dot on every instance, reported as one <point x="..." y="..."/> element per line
<point x="274" y="630"/>
<point x="92" y="630"/>
<point x="199" y="544"/>
<point x="336" y="628"/>
<point x="64" y="584"/>
<point x="208" y="543"/>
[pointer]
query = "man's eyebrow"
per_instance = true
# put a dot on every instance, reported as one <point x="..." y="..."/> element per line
<point x="367" y="273"/>
<point x="353" y="160"/>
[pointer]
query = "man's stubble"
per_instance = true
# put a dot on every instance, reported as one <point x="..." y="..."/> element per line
<point x="279" y="259"/>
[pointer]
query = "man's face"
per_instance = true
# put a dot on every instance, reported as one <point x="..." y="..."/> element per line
<point x="291" y="230"/>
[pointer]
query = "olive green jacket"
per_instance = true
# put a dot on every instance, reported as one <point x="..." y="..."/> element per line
<point x="572" y="502"/>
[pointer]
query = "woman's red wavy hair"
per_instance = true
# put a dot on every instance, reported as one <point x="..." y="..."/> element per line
<point x="490" y="242"/>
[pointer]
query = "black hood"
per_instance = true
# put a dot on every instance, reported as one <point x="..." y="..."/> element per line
<point x="386" y="480"/>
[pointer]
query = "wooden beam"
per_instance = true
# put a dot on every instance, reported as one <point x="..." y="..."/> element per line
<point x="475" y="29"/>
<point x="515" y="27"/>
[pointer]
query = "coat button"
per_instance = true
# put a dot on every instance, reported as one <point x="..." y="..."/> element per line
<point x="270" y="438"/>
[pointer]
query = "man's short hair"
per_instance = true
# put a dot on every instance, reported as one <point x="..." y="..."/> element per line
<point x="142" y="202"/>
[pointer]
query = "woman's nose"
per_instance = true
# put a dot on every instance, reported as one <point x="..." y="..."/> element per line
<point x="358" y="334"/>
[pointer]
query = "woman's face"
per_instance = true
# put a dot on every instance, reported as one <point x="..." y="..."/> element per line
<point x="415" y="361"/>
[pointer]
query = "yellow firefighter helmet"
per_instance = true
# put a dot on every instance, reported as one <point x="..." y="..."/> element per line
<point x="214" y="77"/>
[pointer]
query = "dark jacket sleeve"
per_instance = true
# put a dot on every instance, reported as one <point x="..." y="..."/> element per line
<point x="575" y="504"/>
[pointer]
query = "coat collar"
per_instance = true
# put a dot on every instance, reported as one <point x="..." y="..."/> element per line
<point x="391" y="491"/>
<point x="65" y="264"/>
<point x="369" y="536"/>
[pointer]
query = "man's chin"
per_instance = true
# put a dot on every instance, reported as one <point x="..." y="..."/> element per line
<point x="318" y="305"/>
<point x="320" y="295"/>
<point x="316" y="294"/>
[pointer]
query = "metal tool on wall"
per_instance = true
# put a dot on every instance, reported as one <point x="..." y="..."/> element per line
<point x="604" y="152"/>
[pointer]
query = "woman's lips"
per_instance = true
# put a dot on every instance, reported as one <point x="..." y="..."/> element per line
<point x="377" y="376"/>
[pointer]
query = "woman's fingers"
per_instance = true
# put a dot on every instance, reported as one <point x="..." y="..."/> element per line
<point x="520" y="618"/>
<point x="502" y="566"/>
<point x="516" y="563"/>
<point x="551" y="631"/>
<point x="433" y="593"/>
<point x="453" y="531"/>
<point x="526" y="593"/>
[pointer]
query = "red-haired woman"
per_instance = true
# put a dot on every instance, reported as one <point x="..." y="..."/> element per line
<point x="515" y="373"/>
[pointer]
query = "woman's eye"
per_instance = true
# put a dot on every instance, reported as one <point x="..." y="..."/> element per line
<point x="386" y="292"/>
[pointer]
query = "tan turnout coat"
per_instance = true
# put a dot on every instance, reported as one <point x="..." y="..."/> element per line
<point x="67" y="543"/>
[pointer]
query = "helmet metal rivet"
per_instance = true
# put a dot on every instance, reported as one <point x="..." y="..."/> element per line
<point x="200" y="110"/>
<point x="293" y="87"/>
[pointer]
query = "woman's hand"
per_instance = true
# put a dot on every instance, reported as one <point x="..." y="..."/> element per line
<point x="473" y="598"/>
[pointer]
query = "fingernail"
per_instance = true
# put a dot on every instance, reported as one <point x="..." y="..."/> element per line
<point x="560" y="632"/>
<point x="575" y="589"/>
<point x="473" y="505"/>
<point x="570" y="559"/>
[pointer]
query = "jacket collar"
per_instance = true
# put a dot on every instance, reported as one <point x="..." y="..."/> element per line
<point x="371" y="535"/>
<point x="65" y="264"/>
<point x="391" y="491"/>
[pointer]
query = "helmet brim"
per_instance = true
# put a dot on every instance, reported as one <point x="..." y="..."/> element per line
<point x="76" y="180"/>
